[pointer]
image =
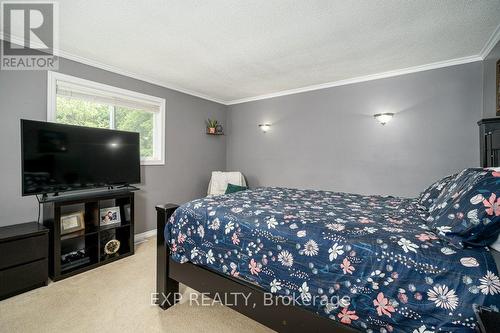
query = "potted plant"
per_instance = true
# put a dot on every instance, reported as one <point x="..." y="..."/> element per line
<point x="212" y="126"/>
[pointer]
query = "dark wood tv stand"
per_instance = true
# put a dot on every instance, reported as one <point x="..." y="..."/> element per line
<point x="87" y="245"/>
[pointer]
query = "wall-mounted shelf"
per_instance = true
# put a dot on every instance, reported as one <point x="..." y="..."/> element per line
<point x="214" y="128"/>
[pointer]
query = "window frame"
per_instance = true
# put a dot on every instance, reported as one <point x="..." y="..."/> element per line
<point x="158" y="118"/>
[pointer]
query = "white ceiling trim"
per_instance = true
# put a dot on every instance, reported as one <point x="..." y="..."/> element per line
<point x="133" y="75"/>
<point x="113" y="69"/>
<point x="409" y="70"/>
<point x="492" y="41"/>
<point x="490" y="44"/>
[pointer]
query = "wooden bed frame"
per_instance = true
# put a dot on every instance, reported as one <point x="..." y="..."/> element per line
<point x="279" y="317"/>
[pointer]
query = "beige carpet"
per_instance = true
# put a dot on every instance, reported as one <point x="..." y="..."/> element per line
<point x="115" y="298"/>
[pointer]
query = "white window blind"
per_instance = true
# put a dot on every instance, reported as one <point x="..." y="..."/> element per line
<point x="77" y="91"/>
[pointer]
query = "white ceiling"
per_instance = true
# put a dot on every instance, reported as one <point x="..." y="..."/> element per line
<point x="229" y="50"/>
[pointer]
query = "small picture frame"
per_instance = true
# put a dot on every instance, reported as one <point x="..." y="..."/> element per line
<point x="109" y="216"/>
<point x="72" y="222"/>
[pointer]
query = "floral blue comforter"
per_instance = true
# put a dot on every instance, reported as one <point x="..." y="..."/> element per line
<point x="366" y="261"/>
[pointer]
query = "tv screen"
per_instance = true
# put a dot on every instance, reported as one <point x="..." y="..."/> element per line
<point x="58" y="158"/>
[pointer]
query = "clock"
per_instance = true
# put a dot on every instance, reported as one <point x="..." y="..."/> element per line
<point x="112" y="246"/>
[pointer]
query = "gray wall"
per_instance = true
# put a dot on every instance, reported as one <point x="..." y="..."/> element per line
<point x="325" y="139"/>
<point x="328" y="139"/>
<point x="191" y="155"/>
<point x="490" y="82"/>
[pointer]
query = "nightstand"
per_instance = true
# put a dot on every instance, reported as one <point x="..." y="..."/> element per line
<point x="23" y="258"/>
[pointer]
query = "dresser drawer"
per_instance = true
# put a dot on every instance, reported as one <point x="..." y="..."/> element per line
<point x="18" y="279"/>
<point x="23" y="250"/>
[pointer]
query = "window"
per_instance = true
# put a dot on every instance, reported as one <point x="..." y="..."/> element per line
<point x="75" y="101"/>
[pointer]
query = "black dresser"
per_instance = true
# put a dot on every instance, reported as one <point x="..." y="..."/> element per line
<point x="489" y="136"/>
<point x="23" y="258"/>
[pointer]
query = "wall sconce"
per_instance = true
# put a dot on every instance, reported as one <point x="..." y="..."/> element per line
<point x="383" y="118"/>
<point x="265" y="127"/>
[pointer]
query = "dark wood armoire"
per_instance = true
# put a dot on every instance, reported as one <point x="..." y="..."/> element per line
<point x="489" y="137"/>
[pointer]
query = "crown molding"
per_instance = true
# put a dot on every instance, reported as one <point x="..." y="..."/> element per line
<point x="136" y="76"/>
<point x="492" y="41"/>
<point x="116" y="70"/>
<point x="365" y="78"/>
<point x="490" y="44"/>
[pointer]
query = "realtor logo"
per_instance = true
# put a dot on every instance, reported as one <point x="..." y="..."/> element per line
<point x="32" y="29"/>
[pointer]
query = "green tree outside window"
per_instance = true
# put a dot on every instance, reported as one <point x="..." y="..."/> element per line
<point x="80" y="112"/>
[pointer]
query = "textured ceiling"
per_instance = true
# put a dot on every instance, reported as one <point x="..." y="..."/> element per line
<point x="230" y="50"/>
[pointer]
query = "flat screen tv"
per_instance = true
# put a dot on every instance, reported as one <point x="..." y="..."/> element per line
<point x="58" y="158"/>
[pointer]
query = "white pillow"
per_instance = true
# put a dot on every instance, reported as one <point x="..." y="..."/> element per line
<point x="220" y="179"/>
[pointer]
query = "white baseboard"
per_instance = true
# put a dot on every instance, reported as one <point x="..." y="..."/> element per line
<point x="142" y="237"/>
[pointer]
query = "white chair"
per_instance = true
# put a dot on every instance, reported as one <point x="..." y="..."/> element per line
<point x="220" y="179"/>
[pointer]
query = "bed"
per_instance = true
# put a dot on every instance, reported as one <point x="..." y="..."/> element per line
<point x="331" y="261"/>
